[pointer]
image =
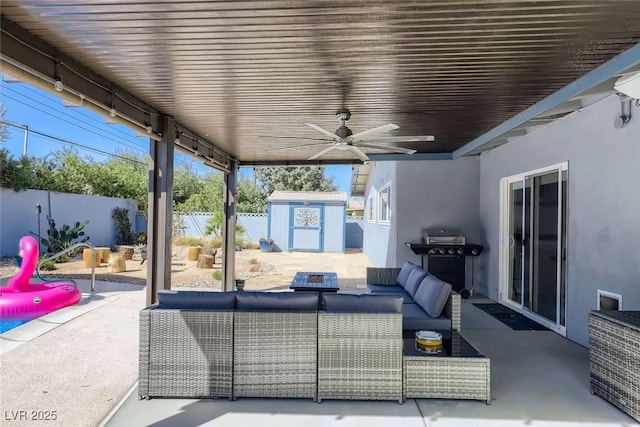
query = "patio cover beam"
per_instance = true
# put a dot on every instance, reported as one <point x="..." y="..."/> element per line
<point x="229" y="227"/>
<point x="160" y="212"/>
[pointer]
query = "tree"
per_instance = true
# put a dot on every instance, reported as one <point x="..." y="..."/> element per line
<point x="208" y="198"/>
<point x="126" y="176"/>
<point x="251" y="198"/>
<point x="185" y="183"/>
<point x="71" y="172"/>
<point x="309" y="178"/>
<point x="14" y="173"/>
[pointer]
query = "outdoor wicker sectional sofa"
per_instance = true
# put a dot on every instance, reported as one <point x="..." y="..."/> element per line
<point x="429" y="303"/>
<point x="197" y="344"/>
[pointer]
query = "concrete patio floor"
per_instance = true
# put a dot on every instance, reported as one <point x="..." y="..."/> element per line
<point x="82" y="362"/>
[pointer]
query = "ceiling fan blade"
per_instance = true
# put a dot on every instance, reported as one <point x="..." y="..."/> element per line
<point x="387" y="148"/>
<point x="295" y="146"/>
<point x="330" y="134"/>
<point x="374" y="131"/>
<point x="399" y="139"/>
<point x="358" y="153"/>
<point x="290" y="137"/>
<point x="322" y="153"/>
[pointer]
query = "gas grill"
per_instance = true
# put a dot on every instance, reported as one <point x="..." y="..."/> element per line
<point x="446" y="249"/>
<point x="442" y="236"/>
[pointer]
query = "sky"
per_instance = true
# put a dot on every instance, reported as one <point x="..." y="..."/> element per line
<point x="53" y="126"/>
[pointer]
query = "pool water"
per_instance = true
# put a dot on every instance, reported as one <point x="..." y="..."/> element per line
<point x="7" y="325"/>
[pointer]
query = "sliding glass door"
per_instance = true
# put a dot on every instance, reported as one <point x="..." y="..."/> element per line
<point x="533" y="271"/>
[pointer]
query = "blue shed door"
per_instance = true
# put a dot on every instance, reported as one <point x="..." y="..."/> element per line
<point x="305" y="227"/>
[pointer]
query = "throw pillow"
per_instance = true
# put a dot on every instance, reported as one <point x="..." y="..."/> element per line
<point x="403" y="275"/>
<point x="415" y="277"/>
<point x="432" y="295"/>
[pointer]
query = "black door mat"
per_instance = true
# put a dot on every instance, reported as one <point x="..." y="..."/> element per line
<point x="515" y="321"/>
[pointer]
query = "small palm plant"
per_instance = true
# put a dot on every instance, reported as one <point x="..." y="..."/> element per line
<point x="214" y="226"/>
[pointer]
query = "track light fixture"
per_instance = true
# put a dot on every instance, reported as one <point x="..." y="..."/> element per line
<point x="57" y="85"/>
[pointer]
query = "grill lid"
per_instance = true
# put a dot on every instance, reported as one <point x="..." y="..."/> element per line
<point x="442" y="236"/>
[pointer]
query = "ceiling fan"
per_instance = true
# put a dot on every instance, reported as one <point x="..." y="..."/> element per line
<point x="344" y="139"/>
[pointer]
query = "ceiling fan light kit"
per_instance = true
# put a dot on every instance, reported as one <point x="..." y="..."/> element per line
<point x="345" y="140"/>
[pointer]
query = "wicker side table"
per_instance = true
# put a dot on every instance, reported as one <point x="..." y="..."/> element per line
<point x="459" y="371"/>
<point x="614" y="356"/>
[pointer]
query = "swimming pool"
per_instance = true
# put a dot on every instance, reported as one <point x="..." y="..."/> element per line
<point x="7" y="325"/>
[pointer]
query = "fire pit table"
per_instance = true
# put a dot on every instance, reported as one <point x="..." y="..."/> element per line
<point x="315" y="281"/>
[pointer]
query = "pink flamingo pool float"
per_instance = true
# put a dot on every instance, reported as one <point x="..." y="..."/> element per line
<point x="21" y="299"/>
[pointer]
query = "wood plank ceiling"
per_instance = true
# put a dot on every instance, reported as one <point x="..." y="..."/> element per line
<point x="240" y="73"/>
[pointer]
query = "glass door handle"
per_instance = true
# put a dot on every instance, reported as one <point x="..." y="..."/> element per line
<point x="512" y="242"/>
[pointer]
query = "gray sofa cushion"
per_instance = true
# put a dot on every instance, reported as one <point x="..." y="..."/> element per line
<point x="397" y="289"/>
<point x="406" y="298"/>
<point x="403" y="275"/>
<point x="196" y="300"/>
<point x="362" y="303"/>
<point x="432" y="295"/>
<point x="277" y="301"/>
<point x="415" y="318"/>
<point x="413" y="281"/>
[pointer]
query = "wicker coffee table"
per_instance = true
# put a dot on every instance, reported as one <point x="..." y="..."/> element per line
<point x="458" y="371"/>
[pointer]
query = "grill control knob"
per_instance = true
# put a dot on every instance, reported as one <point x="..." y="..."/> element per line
<point x="474" y="251"/>
<point x="432" y="251"/>
<point x="442" y="251"/>
<point x="452" y="251"/>
<point x="460" y="251"/>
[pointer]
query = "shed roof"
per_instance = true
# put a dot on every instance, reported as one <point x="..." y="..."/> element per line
<point x="300" y="196"/>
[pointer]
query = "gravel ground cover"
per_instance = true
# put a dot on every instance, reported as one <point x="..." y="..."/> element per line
<point x="261" y="270"/>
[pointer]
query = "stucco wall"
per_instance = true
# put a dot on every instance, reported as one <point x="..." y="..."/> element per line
<point x="424" y="193"/>
<point x="18" y="215"/>
<point x="379" y="240"/>
<point x="603" y="247"/>
<point x="436" y="193"/>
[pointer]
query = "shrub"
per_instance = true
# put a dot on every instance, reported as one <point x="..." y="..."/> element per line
<point x="217" y="275"/>
<point x="189" y="241"/>
<point x="124" y="235"/>
<point x="61" y="259"/>
<point x="253" y="245"/>
<point x="253" y="261"/>
<point x="142" y="238"/>
<point x="47" y="266"/>
<point x="216" y="242"/>
<point x="60" y="239"/>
